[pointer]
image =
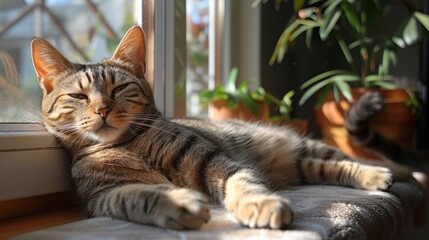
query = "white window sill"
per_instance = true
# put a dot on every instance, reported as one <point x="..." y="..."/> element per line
<point x="31" y="162"/>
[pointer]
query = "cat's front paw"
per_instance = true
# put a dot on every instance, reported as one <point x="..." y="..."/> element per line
<point x="263" y="211"/>
<point x="185" y="209"/>
<point x="375" y="178"/>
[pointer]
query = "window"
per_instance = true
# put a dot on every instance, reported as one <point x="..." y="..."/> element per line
<point x="83" y="30"/>
<point x="31" y="163"/>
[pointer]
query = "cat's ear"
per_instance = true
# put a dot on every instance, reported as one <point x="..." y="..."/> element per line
<point x="132" y="50"/>
<point x="47" y="62"/>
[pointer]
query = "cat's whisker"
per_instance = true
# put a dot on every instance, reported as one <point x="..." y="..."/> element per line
<point x="152" y="126"/>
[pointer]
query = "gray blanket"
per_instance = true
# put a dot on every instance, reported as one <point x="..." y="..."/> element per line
<point x="321" y="212"/>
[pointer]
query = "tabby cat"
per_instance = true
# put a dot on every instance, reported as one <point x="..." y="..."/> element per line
<point x="131" y="163"/>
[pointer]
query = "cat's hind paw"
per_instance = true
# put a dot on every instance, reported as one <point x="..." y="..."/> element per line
<point x="264" y="211"/>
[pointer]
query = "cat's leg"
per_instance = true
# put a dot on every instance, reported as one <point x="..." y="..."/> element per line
<point x="162" y="205"/>
<point x="313" y="149"/>
<point x="345" y="172"/>
<point x="246" y="195"/>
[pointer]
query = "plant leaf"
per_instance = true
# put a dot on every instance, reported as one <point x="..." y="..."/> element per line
<point x="351" y="16"/>
<point x="346" y="77"/>
<point x="289" y="95"/>
<point x="313" y="89"/>
<point x="377" y="78"/>
<point x="232" y="79"/>
<point x="389" y="58"/>
<point x="321" y="76"/>
<point x="336" y="93"/>
<point x="423" y="19"/>
<point x="322" y="96"/>
<point x="385" y="85"/>
<point x="330" y="23"/>
<point x="344" y="89"/>
<point x="249" y="102"/>
<point x="308" y="38"/>
<point x="411" y="32"/>
<point x="346" y="52"/>
<point x="283" y="43"/>
<point x="408" y="33"/>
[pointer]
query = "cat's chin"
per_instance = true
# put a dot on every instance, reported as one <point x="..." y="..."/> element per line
<point x="106" y="134"/>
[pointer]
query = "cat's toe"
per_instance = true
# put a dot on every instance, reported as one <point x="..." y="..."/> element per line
<point x="189" y="210"/>
<point x="376" y="178"/>
<point x="265" y="211"/>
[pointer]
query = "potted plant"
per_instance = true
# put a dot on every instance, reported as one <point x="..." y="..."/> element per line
<point x="231" y="101"/>
<point x="370" y="53"/>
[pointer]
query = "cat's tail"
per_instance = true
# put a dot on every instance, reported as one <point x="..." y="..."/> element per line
<point x="357" y="124"/>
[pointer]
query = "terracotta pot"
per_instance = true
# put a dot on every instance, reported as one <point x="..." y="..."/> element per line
<point x="395" y="121"/>
<point x="220" y="111"/>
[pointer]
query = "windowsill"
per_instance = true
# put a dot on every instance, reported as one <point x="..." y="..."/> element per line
<point x="31" y="162"/>
<point x="20" y="225"/>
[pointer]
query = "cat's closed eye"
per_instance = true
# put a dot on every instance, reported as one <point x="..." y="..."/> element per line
<point x="78" y="96"/>
<point x="120" y="88"/>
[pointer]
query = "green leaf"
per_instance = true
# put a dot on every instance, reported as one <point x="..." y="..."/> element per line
<point x="259" y="94"/>
<point x="336" y="93"/>
<point x="385" y="85"/>
<point x="322" y="96"/>
<point x="232" y="101"/>
<point x="346" y="52"/>
<point x="423" y="19"/>
<point x="315" y="88"/>
<point x="308" y="38"/>
<point x="344" y="89"/>
<point x="389" y="58"/>
<point x="411" y="32"/>
<point x="355" y="44"/>
<point x="330" y="23"/>
<point x="408" y="33"/>
<point x="249" y="102"/>
<point x="331" y="5"/>
<point x="351" y="16"/>
<point x="299" y="30"/>
<point x="232" y="79"/>
<point x="346" y="78"/>
<point x="377" y="78"/>
<point x="289" y="95"/>
<point x="206" y="97"/>
<point x="283" y="43"/>
<point x="244" y="87"/>
<point x="321" y="76"/>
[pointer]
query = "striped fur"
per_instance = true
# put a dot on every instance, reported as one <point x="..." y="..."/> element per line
<point x="132" y="163"/>
<point x="358" y="125"/>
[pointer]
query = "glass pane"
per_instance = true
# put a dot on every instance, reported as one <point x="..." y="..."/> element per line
<point x="197" y="39"/>
<point x="83" y="30"/>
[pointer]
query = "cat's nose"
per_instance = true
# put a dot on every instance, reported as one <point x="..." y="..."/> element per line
<point x="102" y="111"/>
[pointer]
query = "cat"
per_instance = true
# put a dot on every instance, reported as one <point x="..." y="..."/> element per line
<point x="132" y="163"/>
<point x="357" y="124"/>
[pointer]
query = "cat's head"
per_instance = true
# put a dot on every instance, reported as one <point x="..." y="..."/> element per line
<point x="98" y="102"/>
